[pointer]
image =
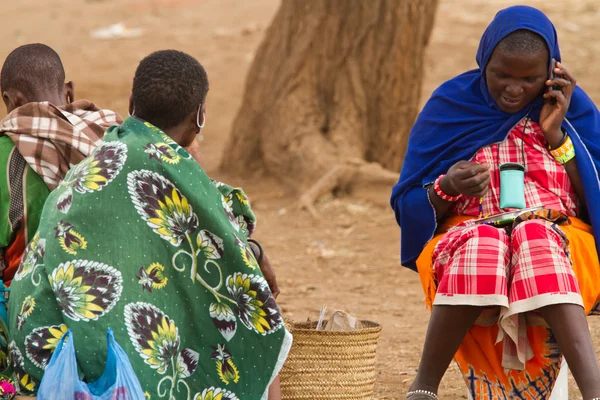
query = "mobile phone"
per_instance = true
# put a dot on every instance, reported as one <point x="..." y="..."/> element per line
<point x="551" y="76"/>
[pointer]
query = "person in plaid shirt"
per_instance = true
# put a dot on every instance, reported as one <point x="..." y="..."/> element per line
<point x="45" y="133"/>
<point x="507" y="302"/>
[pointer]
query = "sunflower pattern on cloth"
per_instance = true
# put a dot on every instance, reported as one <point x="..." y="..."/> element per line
<point x="139" y="239"/>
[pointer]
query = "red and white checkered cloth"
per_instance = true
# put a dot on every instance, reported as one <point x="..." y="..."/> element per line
<point x="546" y="181"/>
<point x="482" y="265"/>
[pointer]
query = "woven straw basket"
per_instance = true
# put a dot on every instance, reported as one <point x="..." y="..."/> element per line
<point x="330" y="365"/>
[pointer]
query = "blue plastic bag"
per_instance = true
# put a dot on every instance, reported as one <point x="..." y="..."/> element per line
<point x="61" y="381"/>
<point x="4" y="291"/>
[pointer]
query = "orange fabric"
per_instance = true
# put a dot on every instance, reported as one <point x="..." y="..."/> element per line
<point x="585" y="261"/>
<point x="13" y="255"/>
<point x="480" y="357"/>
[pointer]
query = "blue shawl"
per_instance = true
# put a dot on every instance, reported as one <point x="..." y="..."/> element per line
<point x="461" y="117"/>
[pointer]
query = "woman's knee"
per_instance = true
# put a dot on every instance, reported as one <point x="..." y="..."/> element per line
<point x="488" y="231"/>
<point x="488" y="238"/>
<point x="480" y="247"/>
<point x="484" y="233"/>
<point x="537" y="232"/>
<point x="537" y="224"/>
<point x="471" y="238"/>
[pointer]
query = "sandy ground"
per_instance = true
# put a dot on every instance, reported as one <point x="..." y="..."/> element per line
<point x="348" y="259"/>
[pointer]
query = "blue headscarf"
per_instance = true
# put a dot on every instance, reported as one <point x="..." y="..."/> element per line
<point x="461" y="117"/>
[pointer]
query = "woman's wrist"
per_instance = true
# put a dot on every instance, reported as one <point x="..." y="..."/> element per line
<point x="257" y="250"/>
<point x="447" y="188"/>
<point x="443" y="189"/>
<point x="555" y="139"/>
<point x="565" y="152"/>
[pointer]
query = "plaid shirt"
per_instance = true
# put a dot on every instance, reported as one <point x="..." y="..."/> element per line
<point x="54" y="139"/>
<point x="546" y="181"/>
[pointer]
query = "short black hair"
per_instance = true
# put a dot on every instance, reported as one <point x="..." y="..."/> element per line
<point x="523" y="41"/>
<point x="168" y="85"/>
<point x="32" y="67"/>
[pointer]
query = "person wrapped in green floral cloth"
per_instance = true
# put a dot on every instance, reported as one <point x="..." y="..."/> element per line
<point x="139" y="239"/>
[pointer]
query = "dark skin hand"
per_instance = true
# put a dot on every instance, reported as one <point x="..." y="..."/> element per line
<point x="464" y="177"/>
<point x="553" y="115"/>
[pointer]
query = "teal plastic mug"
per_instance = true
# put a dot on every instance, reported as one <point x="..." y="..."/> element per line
<point x="512" y="185"/>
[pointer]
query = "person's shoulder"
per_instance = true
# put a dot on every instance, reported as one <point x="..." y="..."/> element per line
<point x="92" y="113"/>
<point x="6" y="146"/>
<point x="5" y="140"/>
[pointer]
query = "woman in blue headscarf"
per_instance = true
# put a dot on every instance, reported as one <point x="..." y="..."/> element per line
<point x="507" y="301"/>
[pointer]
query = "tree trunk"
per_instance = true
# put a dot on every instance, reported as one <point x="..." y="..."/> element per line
<point x="333" y="81"/>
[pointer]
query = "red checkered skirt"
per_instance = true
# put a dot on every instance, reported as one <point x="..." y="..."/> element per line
<point x="482" y="265"/>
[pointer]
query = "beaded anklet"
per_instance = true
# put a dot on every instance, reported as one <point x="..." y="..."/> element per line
<point x="429" y="394"/>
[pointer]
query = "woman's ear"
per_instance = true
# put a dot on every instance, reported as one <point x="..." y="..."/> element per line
<point x="13" y="99"/>
<point x="69" y="92"/>
<point x="131" y="105"/>
<point x="201" y="116"/>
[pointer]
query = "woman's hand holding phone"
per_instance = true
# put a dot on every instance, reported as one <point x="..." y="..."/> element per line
<point x="561" y="85"/>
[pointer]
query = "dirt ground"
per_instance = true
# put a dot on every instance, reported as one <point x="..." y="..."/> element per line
<point x="349" y="258"/>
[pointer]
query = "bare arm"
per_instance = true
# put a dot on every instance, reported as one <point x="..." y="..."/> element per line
<point x="575" y="179"/>
<point x="570" y="167"/>
<point x="552" y="116"/>
<point x="275" y="390"/>
<point x="441" y="206"/>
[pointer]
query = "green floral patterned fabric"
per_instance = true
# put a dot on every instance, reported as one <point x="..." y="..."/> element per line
<point x="139" y="239"/>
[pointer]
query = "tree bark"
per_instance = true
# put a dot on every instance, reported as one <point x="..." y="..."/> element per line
<point x="333" y="81"/>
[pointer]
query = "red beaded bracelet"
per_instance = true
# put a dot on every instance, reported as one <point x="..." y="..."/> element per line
<point x="440" y="192"/>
